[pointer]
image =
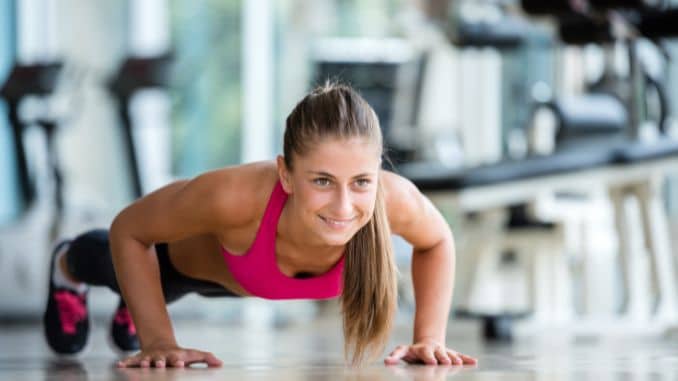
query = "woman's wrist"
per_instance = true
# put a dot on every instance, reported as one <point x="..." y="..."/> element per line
<point x="160" y="343"/>
<point x="428" y="339"/>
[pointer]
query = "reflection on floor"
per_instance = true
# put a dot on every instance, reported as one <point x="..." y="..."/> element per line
<point x="315" y="353"/>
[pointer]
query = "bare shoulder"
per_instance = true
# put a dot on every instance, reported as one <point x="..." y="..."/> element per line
<point x="225" y="198"/>
<point x="241" y="192"/>
<point x="410" y="214"/>
<point x="402" y="199"/>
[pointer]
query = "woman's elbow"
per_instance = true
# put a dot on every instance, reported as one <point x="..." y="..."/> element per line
<point x="122" y="226"/>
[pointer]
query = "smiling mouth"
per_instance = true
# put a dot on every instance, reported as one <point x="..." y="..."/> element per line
<point x="337" y="223"/>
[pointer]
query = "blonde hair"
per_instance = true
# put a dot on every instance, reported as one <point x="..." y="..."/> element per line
<point x="369" y="297"/>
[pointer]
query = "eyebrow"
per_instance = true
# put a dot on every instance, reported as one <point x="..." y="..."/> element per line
<point x="325" y="174"/>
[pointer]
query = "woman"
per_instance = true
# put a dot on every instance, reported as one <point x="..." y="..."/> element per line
<point x="314" y="224"/>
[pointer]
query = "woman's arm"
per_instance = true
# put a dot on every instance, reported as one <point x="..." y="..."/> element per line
<point x="176" y="211"/>
<point x="413" y="216"/>
<point x="136" y="265"/>
<point x="433" y="282"/>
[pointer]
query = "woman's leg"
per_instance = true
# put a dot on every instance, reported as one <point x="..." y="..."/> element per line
<point x="88" y="260"/>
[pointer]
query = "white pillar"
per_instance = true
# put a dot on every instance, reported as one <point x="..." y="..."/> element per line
<point x="257" y="126"/>
<point x="37" y="32"/>
<point x="149" y="36"/>
<point x="257" y="85"/>
<point x="149" y="32"/>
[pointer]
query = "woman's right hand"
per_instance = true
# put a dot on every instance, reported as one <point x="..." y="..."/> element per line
<point x="169" y="356"/>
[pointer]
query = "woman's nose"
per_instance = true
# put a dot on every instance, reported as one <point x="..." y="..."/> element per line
<point x="343" y="205"/>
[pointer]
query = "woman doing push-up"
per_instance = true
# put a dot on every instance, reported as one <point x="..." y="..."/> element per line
<point x="316" y="223"/>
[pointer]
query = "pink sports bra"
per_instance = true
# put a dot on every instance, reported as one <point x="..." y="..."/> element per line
<point x="257" y="270"/>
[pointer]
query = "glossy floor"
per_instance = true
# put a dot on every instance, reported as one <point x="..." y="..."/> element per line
<point x="315" y="353"/>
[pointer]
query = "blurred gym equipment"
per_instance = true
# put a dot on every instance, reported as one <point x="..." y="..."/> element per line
<point x="41" y="213"/>
<point x="37" y="80"/>
<point x="135" y="74"/>
<point x="597" y="144"/>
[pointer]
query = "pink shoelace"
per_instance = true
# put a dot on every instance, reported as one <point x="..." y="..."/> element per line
<point x="71" y="310"/>
<point x="123" y="317"/>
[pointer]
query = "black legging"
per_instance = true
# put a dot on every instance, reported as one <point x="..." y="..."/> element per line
<point x="89" y="260"/>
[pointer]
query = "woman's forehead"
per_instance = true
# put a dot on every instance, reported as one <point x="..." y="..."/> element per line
<point x="342" y="157"/>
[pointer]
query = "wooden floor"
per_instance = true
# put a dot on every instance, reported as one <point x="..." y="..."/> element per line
<point x="315" y="353"/>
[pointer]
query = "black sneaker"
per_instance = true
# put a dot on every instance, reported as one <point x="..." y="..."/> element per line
<point x="123" y="330"/>
<point x="66" y="320"/>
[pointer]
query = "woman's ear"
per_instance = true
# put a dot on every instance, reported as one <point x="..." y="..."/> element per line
<point x="284" y="174"/>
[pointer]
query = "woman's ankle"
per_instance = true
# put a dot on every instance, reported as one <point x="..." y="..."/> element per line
<point x="63" y="278"/>
<point x="63" y="266"/>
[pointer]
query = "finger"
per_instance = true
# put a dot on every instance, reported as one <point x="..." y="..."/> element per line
<point x="174" y="360"/>
<point x="193" y="357"/>
<point x="425" y="354"/>
<point x="212" y="360"/>
<point x="443" y="357"/>
<point x="399" y="351"/>
<point x="465" y="360"/>
<point x="190" y="356"/>
<point x="412" y="358"/>
<point x="390" y="360"/>
<point x="396" y="355"/>
<point x="145" y="361"/>
<point x="468" y="360"/>
<point x="159" y="361"/>
<point x="129" y="362"/>
<point x="121" y="363"/>
<point x="456" y="359"/>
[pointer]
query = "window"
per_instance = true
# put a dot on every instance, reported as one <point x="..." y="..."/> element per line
<point x="9" y="192"/>
<point x="206" y="119"/>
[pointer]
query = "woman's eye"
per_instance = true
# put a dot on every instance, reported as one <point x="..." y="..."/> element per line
<point x="322" y="181"/>
<point x="363" y="182"/>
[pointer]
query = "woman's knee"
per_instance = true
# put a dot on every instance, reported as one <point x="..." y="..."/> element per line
<point x="89" y="258"/>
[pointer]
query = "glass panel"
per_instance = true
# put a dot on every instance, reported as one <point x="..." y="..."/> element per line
<point x="9" y="190"/>
<point x="206" y="90"/>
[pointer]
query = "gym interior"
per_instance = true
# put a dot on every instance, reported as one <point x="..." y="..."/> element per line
<point x="544" y="131"/>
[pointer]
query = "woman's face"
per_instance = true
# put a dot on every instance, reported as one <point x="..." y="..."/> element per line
<point x="334" y="188"/>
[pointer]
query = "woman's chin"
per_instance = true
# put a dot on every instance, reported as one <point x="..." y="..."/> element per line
<point x="334" y="239"/>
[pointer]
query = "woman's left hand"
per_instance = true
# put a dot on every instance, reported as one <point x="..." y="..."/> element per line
<point x="429" y="353"/>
